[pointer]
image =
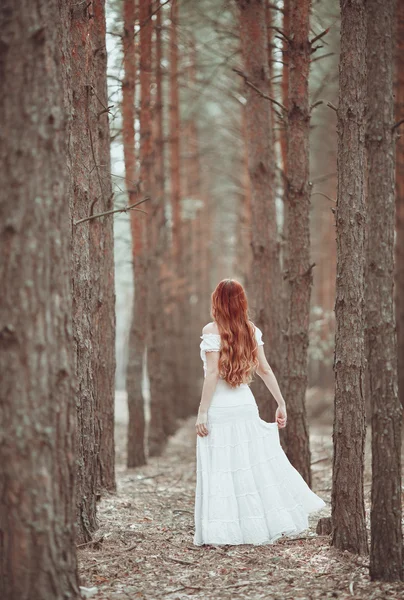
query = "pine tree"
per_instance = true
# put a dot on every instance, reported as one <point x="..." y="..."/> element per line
<point x="37" y="405"/>
<point x="348" y="508"/>
<point x="386" y="533"/>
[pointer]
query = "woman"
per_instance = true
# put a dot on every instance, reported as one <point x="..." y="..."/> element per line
<point x="247" y="492"/>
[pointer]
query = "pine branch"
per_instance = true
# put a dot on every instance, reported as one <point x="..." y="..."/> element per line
<point x="117" y="210"/>
<point x="254" y="87"/>
<point x="319" y="36"/>
<point x="331" y="105"/>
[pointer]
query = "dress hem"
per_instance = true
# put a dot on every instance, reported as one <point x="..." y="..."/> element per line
<point x="284" y="534"/>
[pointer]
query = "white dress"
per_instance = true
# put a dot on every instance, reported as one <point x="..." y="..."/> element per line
<point x="247" y="491"/>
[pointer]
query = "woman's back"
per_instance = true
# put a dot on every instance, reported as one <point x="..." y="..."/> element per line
<point x="212" y="342"/>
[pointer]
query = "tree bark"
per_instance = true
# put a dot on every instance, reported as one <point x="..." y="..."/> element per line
<point x="92" y="264"/>
<point x="37" y="404"/>
<point x="298" y="271"/>
<point x="166" y="380"/>
<point x="136" y="451"/>
<point x="85" y="189"/>
<point x="385" y="516"/>
<point x="265" y="278"/>
<point x="192" y="319"/>
<point x="103" y="269"/>
<point x="177" y="284"/>
<point x="156" y="435"/>
<point x="175" y="154"/>
<point x="244" y="257"/>
<point x="399" y="262"/>
<point x="348" y="510"/>
<point x="285" y="87"/>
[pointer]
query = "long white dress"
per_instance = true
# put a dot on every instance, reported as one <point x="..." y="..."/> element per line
<point x="247" y="491"/>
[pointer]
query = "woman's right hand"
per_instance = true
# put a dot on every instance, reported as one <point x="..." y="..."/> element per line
<point x="201" y="423"/>
<point x="281" y="416"/>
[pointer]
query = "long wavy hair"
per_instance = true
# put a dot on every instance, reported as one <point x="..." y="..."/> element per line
<point x="238" y="357"/>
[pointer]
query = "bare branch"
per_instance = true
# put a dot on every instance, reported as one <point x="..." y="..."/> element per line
<point x="319" y="36"/>
<point x="316" y="48"/>
<point x="117" y="210"/>
<point x="322" y="56"/>
<point x="317" y="103"/>
<point x="397" y="125"/>
<point x="331" y="105"/>
<point x="282" y="33"/>
<point x="107" y="109"/>
<point x="325" y="196"/>
<point x="254" y="87"/>
<point x="115" y="34"/>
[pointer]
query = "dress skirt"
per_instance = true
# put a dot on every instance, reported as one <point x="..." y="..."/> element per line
<point x="247" y="491"/>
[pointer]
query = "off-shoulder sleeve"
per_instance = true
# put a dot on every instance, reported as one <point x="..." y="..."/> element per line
<point x="258" y="336"/>
<point x="210" y="342"/>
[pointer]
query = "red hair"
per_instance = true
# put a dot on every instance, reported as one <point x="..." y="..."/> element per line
<point x="238" y="357"/>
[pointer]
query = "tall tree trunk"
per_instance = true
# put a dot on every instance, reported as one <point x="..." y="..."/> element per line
<point x="243" y="256"/>
<point x="271" y="46"/>
<point x="175" y="153"/>
<point x="399" y="262"/>
<point x="165" y="379"/>
<point x="265" y="279"/>
<point x="136" y="455"/>
<point x="189" y="186"/>
<point x="37" y="403"/>
<point x="298" y="271"/>
<point x="283" y="138"/>
<point x="386" y="533"/>
<point x="103" y="270"/>
<point x="92" y="264"/>
<point x="86" y="190"/>
<point x="177" y="284"/>
<point x="157" y="437"/>
<point x="348" y="509"/>
<point x="285" y="86"/>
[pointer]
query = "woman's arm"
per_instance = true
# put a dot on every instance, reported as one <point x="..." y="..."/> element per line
<point x="268" y="377"/>
<point x="209" y="386"/>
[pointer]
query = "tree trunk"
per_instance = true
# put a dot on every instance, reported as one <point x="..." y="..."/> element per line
<point x="348" y="510"/>
<point x="285" y="87"/>
<point x="243" y="256"/>
<point x="174" y="135"/>
<point x="283" y="137"/>
<point x="103" y="270"/>
<point x="399" y="262"/>
<point x="136" y="454"/>
<point x="298" y="271"/>
<point x="177" y="283"/>
<point x="92" y="265"/>
<point x="386" y="533"/>
<point x="86" y="190"/>
<point x="156" y="434"/>
<point x="166" y="381"/>
<point x="265" y="281"/>
<point x="37" y="404"/>
<point x="192" y="256"/>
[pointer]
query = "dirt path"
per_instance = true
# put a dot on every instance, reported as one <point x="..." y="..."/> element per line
<point x="146" y="550"/>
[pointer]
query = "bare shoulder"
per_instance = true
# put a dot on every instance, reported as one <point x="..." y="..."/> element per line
<point x="210" y="328"/>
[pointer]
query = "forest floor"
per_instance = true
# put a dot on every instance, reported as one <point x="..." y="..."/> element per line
<point x="144" y="546"/>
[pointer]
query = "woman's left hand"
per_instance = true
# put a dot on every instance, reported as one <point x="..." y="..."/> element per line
<point x="281" y="417"/>
<point x="200" y="424"/>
